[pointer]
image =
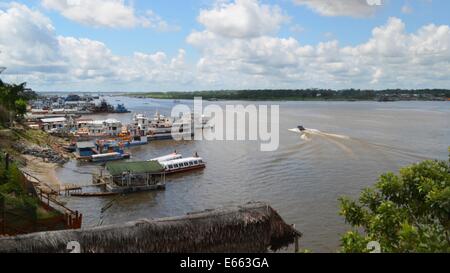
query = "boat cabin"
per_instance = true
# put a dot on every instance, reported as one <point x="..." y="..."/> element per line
<point x="85" y="149"/>
<point x="170" y="157"/>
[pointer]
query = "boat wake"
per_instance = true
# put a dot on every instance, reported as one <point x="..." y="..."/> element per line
<point x="336" y="139"/>
<point x="349" y="147"/>
<point x="307" y="132"/>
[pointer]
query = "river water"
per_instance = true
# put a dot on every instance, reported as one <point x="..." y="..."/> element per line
<point x="302" y="180"/>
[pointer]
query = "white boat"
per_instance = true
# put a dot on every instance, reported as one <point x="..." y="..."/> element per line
<point x="300" y="130"/>
<point x="138" y="140"/>
<point x="109" y="157"/>
<point x="165" y="158"/>
<point x="183" y="165"/>
<point x="161" y="127"/>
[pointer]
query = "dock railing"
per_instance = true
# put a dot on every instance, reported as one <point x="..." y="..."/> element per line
<point x="73" y="219"/>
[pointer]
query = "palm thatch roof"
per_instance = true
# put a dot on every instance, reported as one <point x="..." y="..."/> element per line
<point x="253" y="227"/>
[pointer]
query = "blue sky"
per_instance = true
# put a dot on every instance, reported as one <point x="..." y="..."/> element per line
<point x="205" y="44"/>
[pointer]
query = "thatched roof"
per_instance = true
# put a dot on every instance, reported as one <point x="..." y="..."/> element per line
<point x="254" y="227"/>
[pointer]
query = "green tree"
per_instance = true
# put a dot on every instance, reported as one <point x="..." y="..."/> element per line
<point x="13" y="100"/>
<point x="409" y="212"/>
<point x="21" y="107"/>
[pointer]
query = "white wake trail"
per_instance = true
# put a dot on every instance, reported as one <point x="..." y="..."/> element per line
<point x="317" y="132"/>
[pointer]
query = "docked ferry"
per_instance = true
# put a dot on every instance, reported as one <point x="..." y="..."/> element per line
<point x="100" y="151"/>
<point x="130" y="140"/>
<point x="183" y="165"/>
<point x="160" y="127"/>
<point x="165" y="158"/>
<point x="109" y="150"/>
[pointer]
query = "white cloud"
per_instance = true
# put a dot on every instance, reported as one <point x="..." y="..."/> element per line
<point x="355" y="8"/>
<point x="106" y="13"/>
<point x="242" y="19"/>
<point x="30" y="47"/>
<point x="88" y="59"/>
<point x="27" y="40"/>
<point x="391" y="58"/>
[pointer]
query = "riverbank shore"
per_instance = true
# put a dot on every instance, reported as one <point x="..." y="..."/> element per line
<point x="44" y="172"/>
<point x="39" y="155"/>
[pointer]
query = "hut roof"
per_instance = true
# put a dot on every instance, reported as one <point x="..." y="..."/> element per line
<point x="253" y="227"/>
<point x="118" y="168"/>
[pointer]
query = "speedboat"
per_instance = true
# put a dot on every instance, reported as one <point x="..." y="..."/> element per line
<point x="300" y="129"/>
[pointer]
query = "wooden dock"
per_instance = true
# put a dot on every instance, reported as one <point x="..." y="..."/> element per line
<point x="94" y="194"/>
<point x="77" y="190"/>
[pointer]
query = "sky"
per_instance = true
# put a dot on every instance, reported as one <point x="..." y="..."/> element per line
<point x="178" y="45"/>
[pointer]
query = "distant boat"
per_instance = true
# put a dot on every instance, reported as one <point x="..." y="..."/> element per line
<point x="121" y="109"/>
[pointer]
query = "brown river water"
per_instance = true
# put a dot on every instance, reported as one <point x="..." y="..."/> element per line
<point x="302" y="180"/>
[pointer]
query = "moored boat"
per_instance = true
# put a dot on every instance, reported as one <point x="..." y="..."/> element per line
<point x="109" y="157"/>
<point x="121" y="109"/>
<point x="170" y="157"/>
<point x="183" y="165"/>
<point x="161" y="127"/>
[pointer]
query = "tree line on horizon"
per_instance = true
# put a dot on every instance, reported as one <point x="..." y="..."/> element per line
<point x="301" y="94"/>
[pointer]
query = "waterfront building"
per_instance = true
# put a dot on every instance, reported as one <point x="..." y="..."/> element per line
<point x="89" y="127"/>
<point x="127" y="177"/>
<point x="53" y="124"/>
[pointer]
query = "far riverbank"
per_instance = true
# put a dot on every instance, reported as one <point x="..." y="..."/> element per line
<point x="303" y="95"/>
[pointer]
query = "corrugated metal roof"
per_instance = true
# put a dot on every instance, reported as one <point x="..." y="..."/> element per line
<point x="118" y="168"/>
<point x="50" y="120"/>
<point x="85" y="144"/>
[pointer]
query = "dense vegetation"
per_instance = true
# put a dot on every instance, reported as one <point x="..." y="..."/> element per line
<point x="305" y="94"/>
<point x="14" y="200"/>
<point x="409" y="212"/>
<point x="13" y="101"/>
